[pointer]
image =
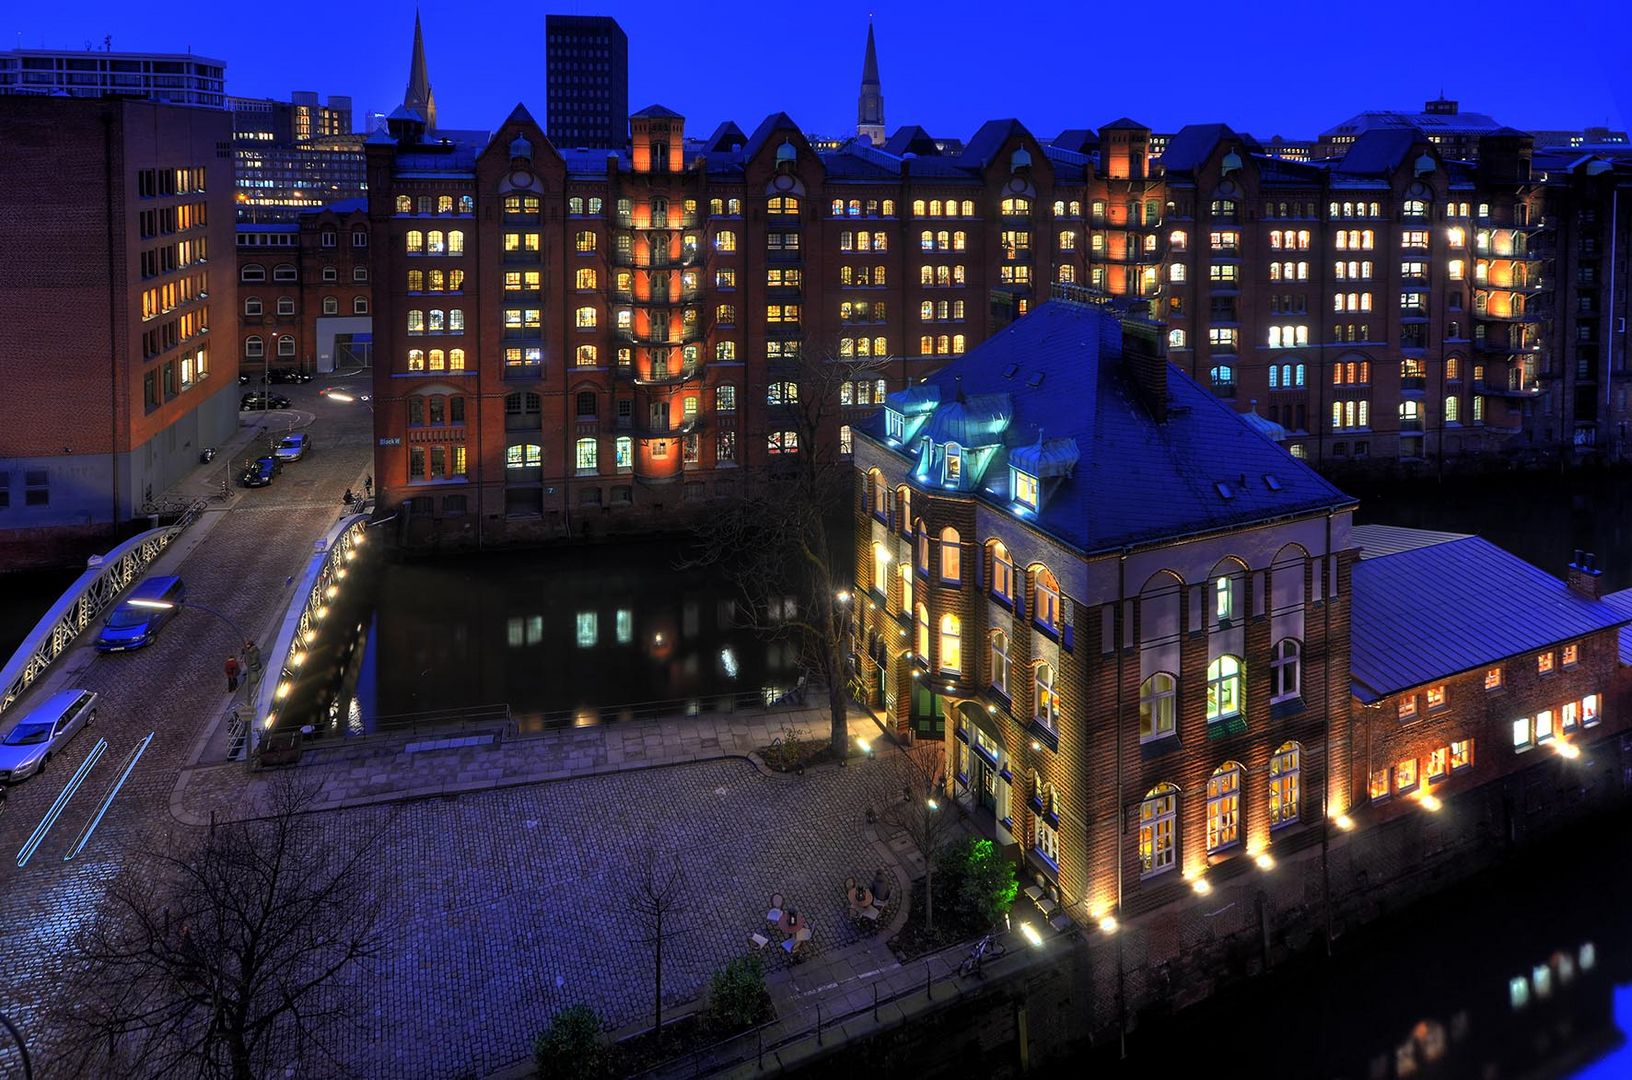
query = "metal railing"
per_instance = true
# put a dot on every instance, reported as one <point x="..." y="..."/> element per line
<point x="96" y="590"/>
<point x="443" y="723"/>
<point x="765" y="699"/>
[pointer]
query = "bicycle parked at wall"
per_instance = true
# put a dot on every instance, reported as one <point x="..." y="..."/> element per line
<point x="987" y="948"/>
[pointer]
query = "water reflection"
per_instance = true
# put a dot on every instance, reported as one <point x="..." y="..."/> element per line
<point x="1513" y="974"/>
<point x="559" y="636"/>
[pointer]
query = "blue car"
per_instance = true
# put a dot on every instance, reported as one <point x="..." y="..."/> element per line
<point x="138" y="617"/>
<point x="292" y="447"/>
<point x="261" y="471"/>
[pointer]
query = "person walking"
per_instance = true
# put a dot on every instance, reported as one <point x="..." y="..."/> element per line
<point x="368" y="485"/>
<point x="232" y="670"/>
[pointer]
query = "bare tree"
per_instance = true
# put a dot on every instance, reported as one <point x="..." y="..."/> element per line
<point x="657" y="895"/>
<point x="778" y="539"/>
<point x="234" y="958"/>
<point x="915" y="801"/>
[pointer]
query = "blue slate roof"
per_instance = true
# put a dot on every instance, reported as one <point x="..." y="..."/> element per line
<point x="1189" y="149"/>
<point x="1622" y="602"/>
<point x="1136" y="480"/>
<point x="1430" y="612"/>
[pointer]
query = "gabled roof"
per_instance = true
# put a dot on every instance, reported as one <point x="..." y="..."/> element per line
<point x="911" y="139"/>
<point x="1124" y="124"/>
<point x="1423" y="614"/>
<point x="1380" y="151"/>
<point x="1077" y="140"/>
<point x="767" y="127"/>
<point x="1135" y="480"/>
<point x="726" y="138"/>
<point x="656" y="112"/>
<point x="1188" y="150"/>
<point x="1622" y="603"/>
<point x="985" y="143"/>
<point x="520" y="115"/>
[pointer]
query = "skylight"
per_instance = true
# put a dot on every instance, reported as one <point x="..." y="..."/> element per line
<point x="1272" y="482"/>
<point x="1224" y="490"/>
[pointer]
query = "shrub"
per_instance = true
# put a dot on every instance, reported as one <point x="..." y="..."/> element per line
<point x="988" y="888"/>
<point x="737" y="996"/>
<point x="571" y="1046"/>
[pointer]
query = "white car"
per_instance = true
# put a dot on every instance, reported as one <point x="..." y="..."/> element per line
<point x="44" y="731"/>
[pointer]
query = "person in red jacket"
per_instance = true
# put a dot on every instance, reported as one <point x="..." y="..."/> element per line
<point x="232" y="674"/>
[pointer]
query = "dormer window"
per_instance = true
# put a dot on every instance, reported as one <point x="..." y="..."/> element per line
<point x="895" y="425"/>
<point x="953" y="467"/>
<point x="1025" y="488"/>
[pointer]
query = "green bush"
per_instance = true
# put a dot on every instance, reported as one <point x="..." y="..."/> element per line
<point x="988" y="888"/>
<point x="572" y="1047"/>
<point x="737" y="996"/>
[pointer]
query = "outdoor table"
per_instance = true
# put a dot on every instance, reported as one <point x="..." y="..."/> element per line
<point x="791" y="922"/>
<point x="861" y="897"/>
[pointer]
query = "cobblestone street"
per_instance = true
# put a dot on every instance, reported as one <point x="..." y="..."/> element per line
<point x="509" y="905"/>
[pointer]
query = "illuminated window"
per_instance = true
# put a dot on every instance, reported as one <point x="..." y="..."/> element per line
<point x="1047" y="614"/>
<point x="1408" y="706"/>
<point x="951" y="556"/>
<point x="725" y="240"/>
<point x="1544" y="663"/>
<point x="523" y="456"/>
<point x="1002" y="571"/>
<point x="1544" y="725"/>
<point x="1000" y="662"/>
<point x="584" y="242"/>
<point x="1378" y="786"/>
<point x="951" y="644"/>
<point x="1439" y="763"/>
<point x="923" y="633"/>
<point x="1589" y="710"/>
<point x="1224" y="808"/>
<point x="1569" y="715"/>
<point x="1436" y="697"/>
<point x="1158" y="706"/>
<point x="1224" y="689"/>
<point x="1522" y="736"/>
<point x="1224" y="599"/>
<point x="1461" y="754"/>
<point x="1046" y="705"/>
<point x="586" y="454"/>
<point x="1572" y="653"/>
<point x="1158" y="825"/>
<point x="782" y="442"/>
<point x="1405" y="775"/>
<point x="1285" y="784"/>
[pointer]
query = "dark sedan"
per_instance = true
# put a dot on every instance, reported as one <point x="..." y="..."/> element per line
<point x="261" y="472"/>
<point x="259" y="400"/>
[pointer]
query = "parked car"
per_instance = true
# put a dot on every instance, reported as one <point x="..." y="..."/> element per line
<point x="257" y="400"/>
<point x="262" y="471"/>
<point x="138" y="617"/>
<point x="290" y="377"/>
<point x="44" y="730"/>
<point x="293" y="446"/>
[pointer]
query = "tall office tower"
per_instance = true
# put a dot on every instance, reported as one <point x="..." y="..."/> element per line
<point x="588" y="62"/>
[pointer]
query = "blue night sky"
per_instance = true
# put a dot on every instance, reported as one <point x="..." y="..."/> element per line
<point x="948" y="66"/>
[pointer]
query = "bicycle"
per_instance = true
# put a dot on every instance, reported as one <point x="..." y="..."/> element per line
<point x="987" y="947"/>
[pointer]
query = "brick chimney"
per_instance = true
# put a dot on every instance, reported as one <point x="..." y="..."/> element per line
<point x="1584" y="577"/>
<point x="1144" y="350"/>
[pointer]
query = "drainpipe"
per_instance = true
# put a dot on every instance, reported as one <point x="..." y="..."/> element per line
<point x="113" y="306"/>
<point x="1610" y="324"/>
<point x="1325" y="794"/>
<point x="1121" y="635"/>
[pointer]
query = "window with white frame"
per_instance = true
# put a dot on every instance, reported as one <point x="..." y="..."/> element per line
<point x="1286" y="670"/>
<point x="923" y="633"/>
<point x="951" y="555"/>
<point x="1046" y="704"/>
<point x="1285" y="784"/>
<point x="1000" y="662"/>
<point x="1224" y="808"/>
<point x="1158" y="706"/>
<point x="951" y="644"/>
<point x="1223" y="599"/>
<point x="1224" y="691"/>
<point x="1002" y="571"/>
<point x="1158" y="830"/>
<point x="1047" y="614"/>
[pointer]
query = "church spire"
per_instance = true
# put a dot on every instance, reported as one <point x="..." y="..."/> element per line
<point x="870" y="106"/>
<point x="418" y="96"/>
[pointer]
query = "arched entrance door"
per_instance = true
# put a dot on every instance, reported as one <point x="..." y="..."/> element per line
<point x="987" y="755"/>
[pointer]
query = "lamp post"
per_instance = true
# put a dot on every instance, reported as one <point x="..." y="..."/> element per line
<point x="251" y="651"/>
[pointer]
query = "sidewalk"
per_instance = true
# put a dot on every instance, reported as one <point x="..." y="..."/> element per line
<point x="386" y="768"/>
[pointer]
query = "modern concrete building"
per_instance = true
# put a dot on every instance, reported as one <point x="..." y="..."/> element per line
<point x="587" y="73"/>
<point x="293" y="156"/>
<point x="163" y="78"/>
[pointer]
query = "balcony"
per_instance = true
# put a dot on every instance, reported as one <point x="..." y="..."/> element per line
<point x="659" y="260"/>
<point x="665" y="430"/>
<point x="684" y="295"/>
<point x="669" y="220"/>
<point x="687" y="336"/>
<point x="1410" y="427"/>
<point x="685" y="373"/>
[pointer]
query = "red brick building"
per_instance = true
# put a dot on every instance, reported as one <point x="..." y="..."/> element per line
<point x="1470" y="665"/>
<point x="304" y="293"/>
<point x="1125" y="608"/>
<point x="108" y="299"/>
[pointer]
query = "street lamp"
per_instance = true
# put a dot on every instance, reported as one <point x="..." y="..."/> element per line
<point x="252" y="653"/>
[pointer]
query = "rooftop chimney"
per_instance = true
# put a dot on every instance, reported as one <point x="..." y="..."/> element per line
<point x="1584" y="577"/>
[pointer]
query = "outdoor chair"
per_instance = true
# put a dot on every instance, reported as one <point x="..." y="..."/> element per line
<point x="775" y="914"/>
<point x="758" y="941"/>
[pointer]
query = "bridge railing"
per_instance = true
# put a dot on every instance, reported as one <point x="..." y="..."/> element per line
<point x="96" y="590"/>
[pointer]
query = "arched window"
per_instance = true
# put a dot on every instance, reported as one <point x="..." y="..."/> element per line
<point x="405" y="205"/>
<point x="923" y="633"/>
<point x="951" y="643"/>
<point x="523" y="456"/>
<point x="1285" y="784"/>
<point x="434" y="242"/>
<point x="252" y="272"/>
<point x="881" y="570"/>
<point x="881" y="495"/>
<point x="1224" y="807"/>
<point x="456" y="242"/>
<point x="1047" y="614"/>
<point x="923" y="548"/>
<point x="1157" y="706"/>
<point x="1000" y="662"/>
<point x="254" y="346"/>
<point x="1002" y="571"/>
<point x="1224" y="692"/>
<point x="1158" y="830"/>
<point x="905" y="574"/>
<point x="1285" y="665"/>
<point x="951" y="555"/>
<point x="1045" y="707"/>
<point x="587" y="454"/>
<point x="416" y="359"/>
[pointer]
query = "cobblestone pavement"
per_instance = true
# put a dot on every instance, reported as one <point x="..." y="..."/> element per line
<point x="511" y="904"/>
<point x="234" y="560"/>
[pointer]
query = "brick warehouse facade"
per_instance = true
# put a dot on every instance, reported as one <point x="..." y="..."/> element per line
<point x="114" y="211"/>
<point x="305" y="294"/>
<point x="1061" y="542"/>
